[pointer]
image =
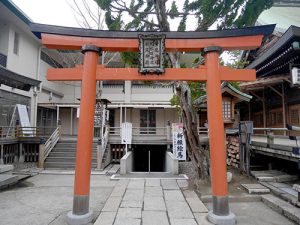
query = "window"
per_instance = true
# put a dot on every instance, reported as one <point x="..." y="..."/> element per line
<point x="273" y="118"/>
<point x="16" y="43"/>
<point x="279" y="118"/>
<point x="226" y="110"/>
<point x="294" y="116"/>
<point x="148" y="121"/>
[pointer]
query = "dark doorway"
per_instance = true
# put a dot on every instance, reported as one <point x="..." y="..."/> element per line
<point x="149" y="158"/>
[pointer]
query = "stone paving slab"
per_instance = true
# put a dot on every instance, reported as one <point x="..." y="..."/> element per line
<point x="183" y="184"/>
<point x="190" y="194"/>
<point x="153" y="183"/>
<point x="129" y="213"/>
<point x="183" y="222"/>
<point x="171" y="195"/>
<point x="7" y="179"/>
<point x="290" y="191"/>
<point x="154" y="204"/>
<point x="153" y="191"/>
<point x="118" y="191"/>
<point x="6" y="168"/>
<point x="201" y="219"/>
<point x="283" y="207"/>
<point x="112" y="204"/>
<point x="131" y="204"/>
<point x="196" y="205"/>
<point x="179" y="210"/>
<point x="127" y="221"/>
<point x="106" y="218"/>
<point x="154" y="218"/>
<point x="256" y="188"/>
<point x="136" y="184"/>
<point x="134" y="194"/>
<point x="169" y="185"/>
<point x="279" y="185"/>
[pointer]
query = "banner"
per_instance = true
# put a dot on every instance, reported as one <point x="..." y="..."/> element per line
<point x="179" y="145"/>
<point x="126" y="133"/>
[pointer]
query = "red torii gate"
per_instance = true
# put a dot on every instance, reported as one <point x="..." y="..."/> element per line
<point x="92" y="42"/>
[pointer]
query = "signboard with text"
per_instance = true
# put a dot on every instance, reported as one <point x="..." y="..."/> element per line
<point x="152" y="49"/>
<point x="179" y="145"/>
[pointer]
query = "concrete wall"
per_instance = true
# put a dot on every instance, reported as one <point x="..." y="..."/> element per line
<point x="126" y="163"/>
<point x="171" y="163"/>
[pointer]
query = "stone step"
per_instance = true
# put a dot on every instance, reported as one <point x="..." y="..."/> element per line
<point x="7" y="180"/>
<point x="283" y="207"/>
<point x="6" y="169"/>
<point x="64" y="165"/>
<point x="68" y="150"/>
<point x="68" y="154"/>
<point x="65" y="159"/>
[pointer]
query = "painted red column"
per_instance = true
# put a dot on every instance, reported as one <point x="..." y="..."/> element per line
<point x="216" y="133"/>
<point x="85" y="136"/>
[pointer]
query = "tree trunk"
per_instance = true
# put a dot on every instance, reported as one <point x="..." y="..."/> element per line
<point x="199" y="156"/>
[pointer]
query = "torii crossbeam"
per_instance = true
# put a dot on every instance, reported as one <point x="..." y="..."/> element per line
<point x="92" y="42"/>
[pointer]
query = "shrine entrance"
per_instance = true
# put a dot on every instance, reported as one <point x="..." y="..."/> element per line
<point x="93" y="42"/>
<point x="149" y="158"/>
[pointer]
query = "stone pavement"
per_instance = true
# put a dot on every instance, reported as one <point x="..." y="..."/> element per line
<point x="152" y="202"/>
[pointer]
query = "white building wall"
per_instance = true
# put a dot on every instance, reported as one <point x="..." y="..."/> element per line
<point x="26" y="61"/>
<point x="4" y="34"/>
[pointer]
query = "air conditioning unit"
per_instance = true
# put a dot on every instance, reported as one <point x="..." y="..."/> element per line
<point x="296" y="76"/>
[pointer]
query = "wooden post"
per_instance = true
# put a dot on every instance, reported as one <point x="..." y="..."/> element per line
<point x="283" y="108"/>
<point x="81" y="213"/>
<point x="216" y="138"/>
<point x="264" y="111"/>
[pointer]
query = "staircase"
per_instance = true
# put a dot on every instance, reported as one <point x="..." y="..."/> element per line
<point x="63" y="155"/>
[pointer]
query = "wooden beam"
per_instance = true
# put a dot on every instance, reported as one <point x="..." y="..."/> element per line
<point x="53" y="41"/>
<point x="273" y="89"/>
<point x="171" y="74"/>
<point x="257" y="96"/>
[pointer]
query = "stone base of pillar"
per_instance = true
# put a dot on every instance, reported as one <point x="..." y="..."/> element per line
<point x="229" y="219"/>
<point x="73" y="219"/>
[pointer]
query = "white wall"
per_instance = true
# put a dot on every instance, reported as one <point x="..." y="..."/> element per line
<point x="4" y="34"/>
<point x="26" y="61"/>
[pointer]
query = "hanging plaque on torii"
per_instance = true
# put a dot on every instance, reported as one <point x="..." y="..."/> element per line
<point x="92" y="42"/>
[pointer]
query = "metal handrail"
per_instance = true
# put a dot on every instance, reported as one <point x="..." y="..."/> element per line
<point x="51" y="142"/>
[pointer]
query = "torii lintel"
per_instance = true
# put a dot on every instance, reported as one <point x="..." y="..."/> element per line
<point x="171" y="74"/>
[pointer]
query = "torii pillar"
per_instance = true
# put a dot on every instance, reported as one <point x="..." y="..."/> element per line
<point x="81" y="213"/>
<point x="220" y="213"/>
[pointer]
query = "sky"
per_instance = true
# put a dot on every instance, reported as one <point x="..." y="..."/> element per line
<point x="63" y="13"/>
<point x="54" y="12"/>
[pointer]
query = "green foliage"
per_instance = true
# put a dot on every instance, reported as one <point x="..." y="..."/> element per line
<point x="174" y="10"/>
<point x="104" y="4"/>
<point x="113" y="23"/>
<point x="130" y="58"/>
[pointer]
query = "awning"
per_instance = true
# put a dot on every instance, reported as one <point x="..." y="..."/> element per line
<point x="15" y="80"/>
<point x="262" y="82"/>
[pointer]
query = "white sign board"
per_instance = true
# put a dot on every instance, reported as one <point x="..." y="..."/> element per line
<point x="126" y="133"/>
<point x="78" y="112"/>
<point x="179" y="145"/>
<point x="24" y="119"/>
